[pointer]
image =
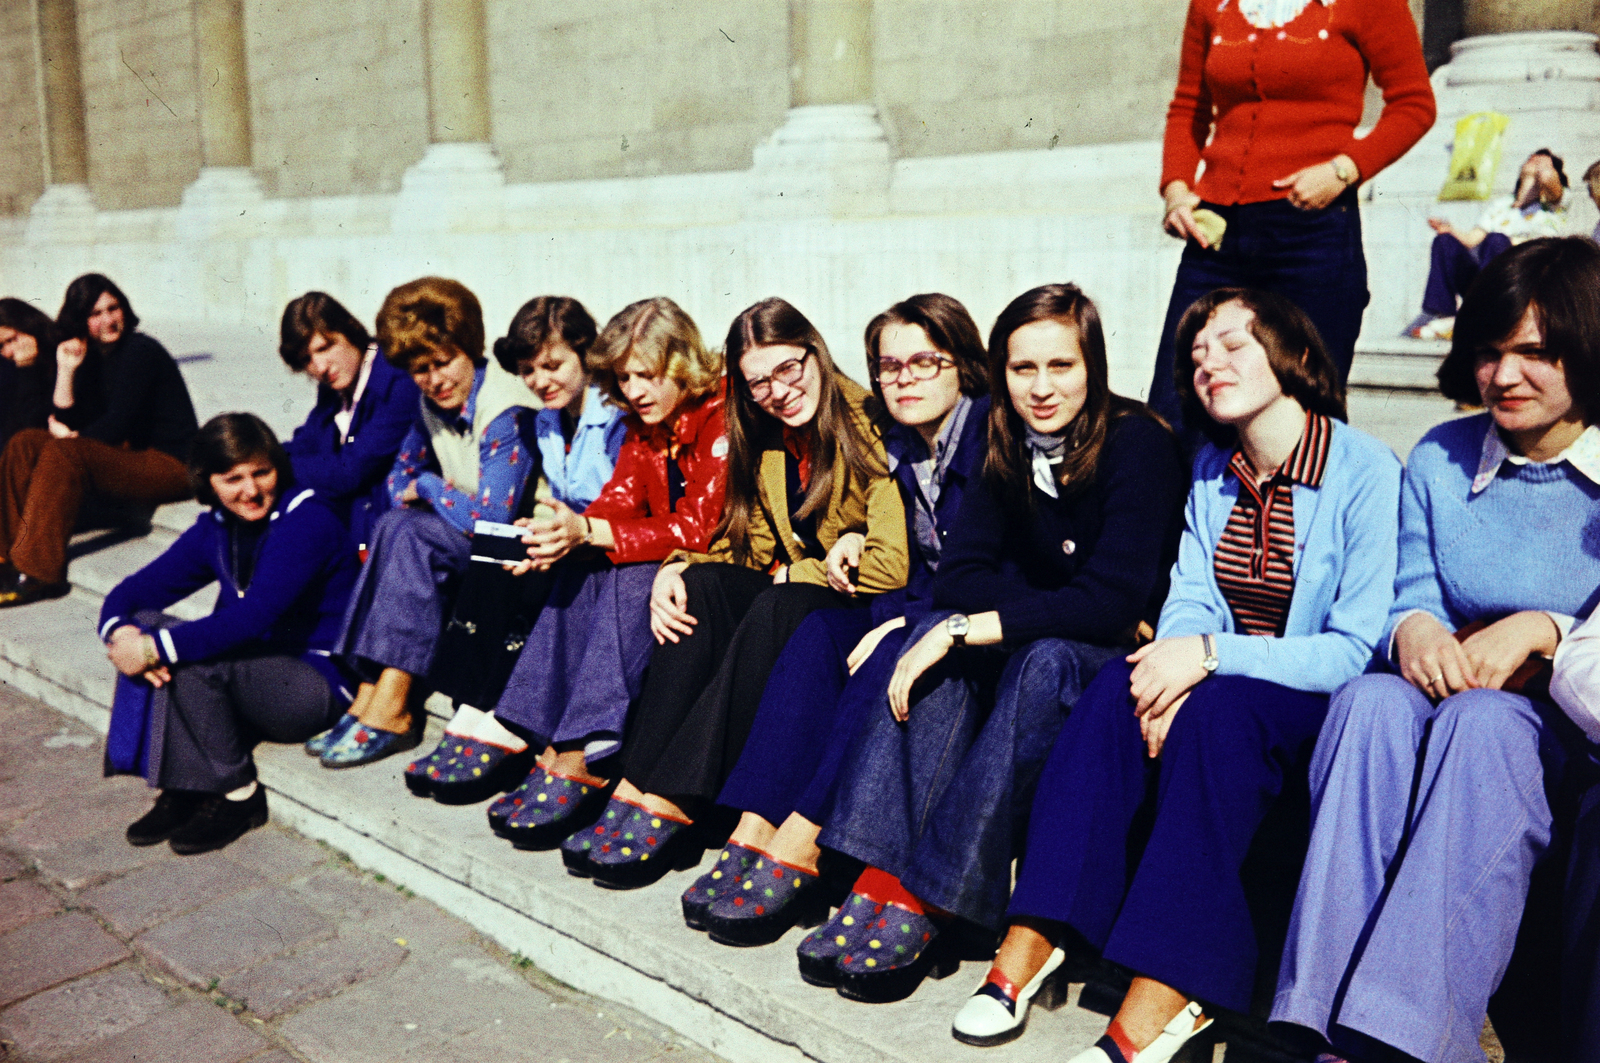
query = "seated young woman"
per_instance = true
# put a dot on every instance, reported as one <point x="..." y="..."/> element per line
<point x="578" y="436"/>
<point x="1056" y="558"/>
<point x="27" y="368"/>
<point x="805" y="467"/>
<point x="1284" y="577"/>
<point x="365" y="406"/>
<point x="929" y="370"/>
<point x="1432" y="788"/>
<point x="120" y="426"/>
<point x="463" y="461"/>
<point x="258" y="668"/>
<point x="584" y="660"/>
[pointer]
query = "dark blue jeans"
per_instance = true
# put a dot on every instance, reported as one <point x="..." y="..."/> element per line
<point x="1178" y="912"/>
<point x="1454" y="266"/>
<point x="1312" y="257"/>
<point x="809" y="715"/>
<point x="942" y="800"/>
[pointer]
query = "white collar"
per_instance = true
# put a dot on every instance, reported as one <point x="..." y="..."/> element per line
<point x="1583" y="455"/>
<point x="1271" y="14"/>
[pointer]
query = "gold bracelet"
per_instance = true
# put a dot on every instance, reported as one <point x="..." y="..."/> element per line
<point x="152" y="656"/>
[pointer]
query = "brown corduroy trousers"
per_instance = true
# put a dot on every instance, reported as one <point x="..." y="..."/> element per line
<point x="42" y="484"/>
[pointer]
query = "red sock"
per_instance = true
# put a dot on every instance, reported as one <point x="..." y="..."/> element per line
<point x="880" y="887"/>
<point x="1114" y="1031"/>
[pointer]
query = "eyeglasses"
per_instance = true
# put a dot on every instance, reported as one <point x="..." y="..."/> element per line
<point x="924" y="365"/>
<point x="786" y="373"/>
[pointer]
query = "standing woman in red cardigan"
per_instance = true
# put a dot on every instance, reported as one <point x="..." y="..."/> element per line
<point x="1282" y="82"/>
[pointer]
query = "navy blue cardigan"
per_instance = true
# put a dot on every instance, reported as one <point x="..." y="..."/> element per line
<point x="1088" y="566"/>
<point x="351" y="476"/>
<point x="905" y="446"/>
<point x="304" y="569"/>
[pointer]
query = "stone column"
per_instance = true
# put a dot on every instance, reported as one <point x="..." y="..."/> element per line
<point x="65" y="212"/>
<point x="831" y="154"/>
<point x="226" y="199"/>
<point x="459" y="183"/>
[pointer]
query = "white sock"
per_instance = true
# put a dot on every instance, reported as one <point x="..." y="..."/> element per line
<point x="492" y="731"/>
<point x="464" y="721"/>
<point x="243" y="793"/>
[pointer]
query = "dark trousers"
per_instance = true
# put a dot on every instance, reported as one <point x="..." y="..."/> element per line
<point x="42" y="485"/>
<point x="204" y="723"/>
<point x="490" y="619"/>
<point x="397" y="610"/>
<point x="942" y="800"/>
<point x="1314" y="258"/>
<point x="701" y="693"/>
<point x="810" y="712"/>
<point x="1453" y="268"/>
<point x="1580" y="959"/>
<point x="1178" y="912"/>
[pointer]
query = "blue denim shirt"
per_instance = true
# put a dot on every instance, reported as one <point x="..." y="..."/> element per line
<point x="577" y="475"/>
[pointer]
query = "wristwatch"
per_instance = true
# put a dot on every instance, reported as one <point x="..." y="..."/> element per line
<point x="1210" y="662"/>
<point x="957" y="627"/>
<point x="1345" y="171"/>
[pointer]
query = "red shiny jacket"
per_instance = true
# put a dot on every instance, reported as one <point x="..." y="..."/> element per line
<point x="644" y="526"/>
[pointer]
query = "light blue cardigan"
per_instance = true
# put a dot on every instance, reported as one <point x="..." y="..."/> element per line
<point x="1346" y="540"/>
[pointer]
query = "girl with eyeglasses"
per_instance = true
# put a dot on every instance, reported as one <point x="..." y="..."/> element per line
<point x="929" y="371"/>
<point x="806" y="468"/>
<point x="1058" y="555"/>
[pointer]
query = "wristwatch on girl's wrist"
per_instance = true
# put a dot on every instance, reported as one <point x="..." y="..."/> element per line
<point x="1210" y="662"/>
<point x="956" y="627"/>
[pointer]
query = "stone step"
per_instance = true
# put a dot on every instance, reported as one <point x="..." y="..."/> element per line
<point x="745" y="1004"/>
<point x="1398" y="364"/>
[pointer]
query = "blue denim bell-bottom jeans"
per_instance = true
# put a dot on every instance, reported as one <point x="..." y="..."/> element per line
<point x="942" y="800"/>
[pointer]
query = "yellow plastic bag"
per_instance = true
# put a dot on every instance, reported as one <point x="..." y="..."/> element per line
<point x="1475" y="157"/>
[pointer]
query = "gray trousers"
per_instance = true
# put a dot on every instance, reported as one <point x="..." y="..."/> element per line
<point x="399" y="604"/>
<point x="204" y="723"/>
<point x="1403" y="926"/>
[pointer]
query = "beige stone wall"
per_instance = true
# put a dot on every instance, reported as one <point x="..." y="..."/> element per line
<point x="958" y="76"/>
<point x="621" y="88"/>
<point x="138" y="91"/>
<point x="21" y="176"/>
<point x="339" y="100"/>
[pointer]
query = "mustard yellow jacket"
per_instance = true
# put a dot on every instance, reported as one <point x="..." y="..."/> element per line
<point x="872" y="508"/>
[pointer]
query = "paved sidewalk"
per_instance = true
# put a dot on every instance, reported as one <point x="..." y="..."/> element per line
<point x="274" y="949"/>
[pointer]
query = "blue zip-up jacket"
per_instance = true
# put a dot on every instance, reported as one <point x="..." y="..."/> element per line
<point x="904" y="447"/>
<point x="350" y="475"/>
<point x="293" y="606"/>
<point x="1346" y="547"/>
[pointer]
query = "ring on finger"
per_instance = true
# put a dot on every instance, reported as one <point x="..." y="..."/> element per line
<point x="1436" y="679"/>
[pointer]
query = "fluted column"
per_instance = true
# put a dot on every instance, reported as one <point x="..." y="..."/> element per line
<point x="830" y="52"/>
<point x="65" y="212"/>
<point x="1517" y="16"/>
<point x="458" y="72"/>
<point x="831" y="155"/>
<point x="226" y="199"/>
<point x="459" y="183"/>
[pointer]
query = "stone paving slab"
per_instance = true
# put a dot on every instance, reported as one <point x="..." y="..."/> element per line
<point x="274" y="950"/>
<point x="47" y="952"/>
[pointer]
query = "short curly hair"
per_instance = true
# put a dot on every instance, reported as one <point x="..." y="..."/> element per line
<point x="666" y="340"/>
<point x="542" y="321"/>
<point x="428" y="315"/>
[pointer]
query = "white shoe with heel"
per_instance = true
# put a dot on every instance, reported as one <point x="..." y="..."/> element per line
<point x="998" y="1011"/>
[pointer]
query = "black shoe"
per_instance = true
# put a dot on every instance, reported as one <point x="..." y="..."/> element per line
<point x="25" y="590"/>
<point x="173" y="808"/>
<point x="219" y="822"/>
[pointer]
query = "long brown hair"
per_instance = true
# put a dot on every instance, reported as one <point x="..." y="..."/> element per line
<point x="833" y="432"/>
<point x="1008" y="460"/>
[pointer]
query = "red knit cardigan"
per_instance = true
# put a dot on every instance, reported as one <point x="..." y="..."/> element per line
<point x="1283" y="99"/>
<point x="643" y="523"/>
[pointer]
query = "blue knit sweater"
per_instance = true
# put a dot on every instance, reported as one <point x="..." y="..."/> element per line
<point x="293" y="604"/>
<point x="1529" y="540"/>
